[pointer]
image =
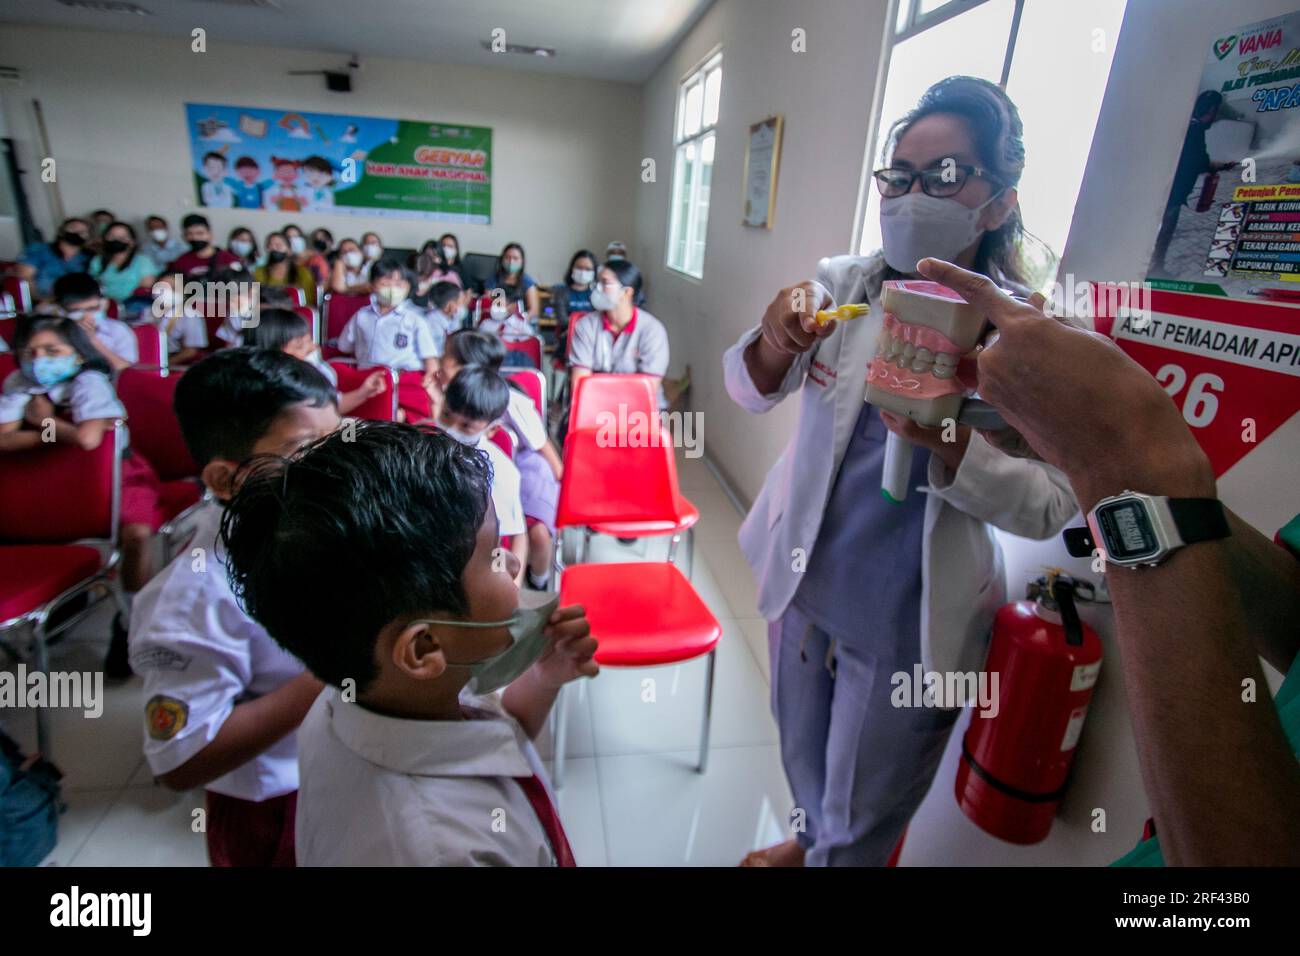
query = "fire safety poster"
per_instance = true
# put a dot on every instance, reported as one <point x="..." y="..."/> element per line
<point x="1231" y="223"/>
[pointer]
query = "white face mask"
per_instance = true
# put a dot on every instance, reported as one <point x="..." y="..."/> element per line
<point x="914" y="226"/>
<point x="474" y="441"/>
<point x="527" y="642"/>
<point x="604" y="301"/>
<point x="159" y="236"/>
<point x="372" y="251"/>
<point x="297" y="244"/>
<point x="449" y="254"/>
<point x="462" y="313"/>
<point x="241" y="247"/>
<point x="353" y="260"/>
<point x="584" y="276"/>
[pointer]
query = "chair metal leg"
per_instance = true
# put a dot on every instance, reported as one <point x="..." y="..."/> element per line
<point x="44" y="743"/>
<point x="561" y="733"/>
<point x="586" y="545"/>
<point x="708" y="713"/>
<point x="672" y="548"/>
<point x="690" y="553"/>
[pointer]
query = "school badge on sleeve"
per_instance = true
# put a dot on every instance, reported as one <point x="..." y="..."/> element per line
<point x="165" y="716"/>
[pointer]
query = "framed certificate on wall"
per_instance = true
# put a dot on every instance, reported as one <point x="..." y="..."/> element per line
<point x="762" y="159"/>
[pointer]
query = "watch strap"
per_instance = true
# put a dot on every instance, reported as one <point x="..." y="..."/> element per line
<point x="1199" y="519"/>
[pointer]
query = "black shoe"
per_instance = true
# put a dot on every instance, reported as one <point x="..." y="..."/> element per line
<point x="117" y="665"/>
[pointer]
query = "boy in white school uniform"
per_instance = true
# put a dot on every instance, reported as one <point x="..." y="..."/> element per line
<point x="80" y="298"/>
<point x="409" y="757"/>
<point x="223" y="701"/>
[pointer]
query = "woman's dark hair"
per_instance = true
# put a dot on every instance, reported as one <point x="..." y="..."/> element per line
<point x="628" y="274"/>
<point x="472" y="347"/>
<point x="275" y="329"/>
<point x="131" y="250"/>
<point x="999" y="137"/>
<point x="252" y="237"/>
<point x="393" y="509"/>
<point x="502" y="275"/>
<point x="452" y="236"/>
<point x="67" y="329"/>
<point x="580" y="254"/>
<point x="478" y="393"/>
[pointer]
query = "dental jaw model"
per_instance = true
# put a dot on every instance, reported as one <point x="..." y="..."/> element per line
<point x="927" y="330"/>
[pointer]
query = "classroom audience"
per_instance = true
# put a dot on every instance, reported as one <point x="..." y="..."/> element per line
<point x="121" y="267"/>
<point x="350" y="274"/>
<point x="573" y="296"/>
<point x="616" y="335"/>
<point x="43" y="262"/>
<point x="243" y="246"/>
<point x="203" y="257"/>
<point x="511" y="284"/>
<point x="160" y="245"/>
<point x="283" y="269"/>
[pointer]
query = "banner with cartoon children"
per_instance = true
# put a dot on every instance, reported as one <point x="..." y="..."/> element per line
<point x="280" y="161"/>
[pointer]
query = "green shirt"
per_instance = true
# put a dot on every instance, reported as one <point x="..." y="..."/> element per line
<point x="1287" y="702"/>
<point x="120" y="283"/>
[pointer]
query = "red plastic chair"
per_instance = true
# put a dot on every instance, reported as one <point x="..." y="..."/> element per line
<point x="299" y="296"/>
<point x="156" y="434"/>
<point x="412" y="398"/>
<point x="381" y="407"/>
<point x="600" y="394"/>
<point x="80" y="499"/>
<point x="531" y="347"/>
<point x="337" y="309"/>
<point x="8" y="364"/>
<point x="643" y="614"/>
<point x="152" y="343"/>
<point x="20" y="291"/>
<point x="312" y="320"/>
<point x="533" y="382"/>
<point x="8" y="328"/>
<point x="111" y="310"/>
<point x="7" y="309"/>
<point x="504" y="439"/>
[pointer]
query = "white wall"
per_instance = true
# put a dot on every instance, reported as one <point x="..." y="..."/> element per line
<point x="565" y="151"/>
<point x="825" y="95"/>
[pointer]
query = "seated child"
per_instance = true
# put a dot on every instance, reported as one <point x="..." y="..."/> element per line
<point x="287" y="331"/>
<point x="181" y="319"/>
<point x="391" y="331"/>
<point x="223" y="700"/>
<point x="536" y="458"/>
<point x="447" y="311"/>
<point x="79" y="298"/>
<point x="506" y="319"/>
<point x="63" y="382"/>
<point x="409" y="757"/>
<point x="471" y="407"/>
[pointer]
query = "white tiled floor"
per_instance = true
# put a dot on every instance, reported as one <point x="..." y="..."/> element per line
<point x="630" y="795"/>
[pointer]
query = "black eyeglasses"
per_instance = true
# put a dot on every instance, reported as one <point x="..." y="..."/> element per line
<point x="940" y="181"/>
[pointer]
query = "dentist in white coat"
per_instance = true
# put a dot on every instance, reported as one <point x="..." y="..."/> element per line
<point x="858" y="589"/>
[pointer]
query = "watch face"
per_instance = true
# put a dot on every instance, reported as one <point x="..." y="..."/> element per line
<point x="1126" y="531"/>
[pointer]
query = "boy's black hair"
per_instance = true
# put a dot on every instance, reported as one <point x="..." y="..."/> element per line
<point x="228" y="401"/>
<point x="75" y="287"/>
<point x="217" y="156"/>
<point x="275" y="329"/>
<point x="390" y="512"/>
<point x="318" y="163"/>
<point x="388" y="265"/>
<point x="194" y="219"/>
<point x="477" y="393"/>
<point x="245" y="161"/>
<point x="443" y="292"/>
<point x="67" y="329"/>
<point x="474" y="347"/>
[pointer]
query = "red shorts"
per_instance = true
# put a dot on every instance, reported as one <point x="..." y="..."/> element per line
<point x="249" y="833"/>
<point x="141" y="493"/>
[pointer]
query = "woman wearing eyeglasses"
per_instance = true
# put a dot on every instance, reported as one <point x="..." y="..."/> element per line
<point x="858" y="590"/>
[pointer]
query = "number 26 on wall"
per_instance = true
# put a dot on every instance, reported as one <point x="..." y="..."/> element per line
<point x="1201" y="403"/>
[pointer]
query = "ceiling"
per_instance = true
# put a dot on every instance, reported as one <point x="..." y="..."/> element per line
<point x="618" y="40"/>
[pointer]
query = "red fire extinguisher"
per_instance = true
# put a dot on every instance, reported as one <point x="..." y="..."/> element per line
<point x="1015" y="761"/>
<point x="1209" y="186"/>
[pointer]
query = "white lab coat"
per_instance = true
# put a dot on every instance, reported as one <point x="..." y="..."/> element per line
<point x="961" y="565"/>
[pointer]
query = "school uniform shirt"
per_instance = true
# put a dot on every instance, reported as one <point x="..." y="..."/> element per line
<point x="523" y="419"/>
<point x="200" y="655"/>
<point x="216" y="194"/>
<point x="85" y="397"/>
<point x="505" y="490"/>
<point x="442" y="325"/>
<point x="385" y="791"/>
<point x="400" y="339"/>
<point x="642" y="346"/>
<point x="512" y="328"/>
<point x="118" y="337"/>
<point x="185" y="331"/>
<point x="324" y="367"/>
<point x="166" y="252"/>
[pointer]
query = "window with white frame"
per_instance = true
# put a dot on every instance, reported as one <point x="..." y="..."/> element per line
<point x="1014" y="43"/>
<point x="694" y="140"/>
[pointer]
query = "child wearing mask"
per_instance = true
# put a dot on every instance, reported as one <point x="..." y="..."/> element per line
<point x="223" y="702"/>
<point x="472" y="406"/>
<point x="181" y="320"/>
<point x="536" y="458"/>
<point x="284" y="330"/>
<point x="424" y="761"/>
<point x="350" y="275"/>
<point x="160" y="245"/>
<point x="63" y="383"/>
<point x="447" y="311"/>
<point x="243" y="245"/>
<point x="78" y="297"/>
<point x="391" y="331"/>
<point x="282" y="269"/>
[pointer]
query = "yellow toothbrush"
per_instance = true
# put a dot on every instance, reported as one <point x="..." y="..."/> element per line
<point x="843" y="313"/>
